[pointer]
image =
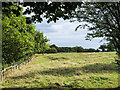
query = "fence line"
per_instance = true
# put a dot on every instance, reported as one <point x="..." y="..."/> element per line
<point x="10" y="69"/>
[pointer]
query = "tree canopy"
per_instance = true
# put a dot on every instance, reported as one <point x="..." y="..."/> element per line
<point x="19" y="39"/>
<point x="53" y="11"/>
<point x="105" y="18"/>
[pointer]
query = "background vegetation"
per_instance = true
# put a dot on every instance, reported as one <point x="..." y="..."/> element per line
<point x="104" y="48"/>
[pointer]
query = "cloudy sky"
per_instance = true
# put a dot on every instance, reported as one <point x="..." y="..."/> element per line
<point x="63" y="34"/>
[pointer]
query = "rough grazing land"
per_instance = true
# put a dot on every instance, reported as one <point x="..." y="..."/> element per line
<point x="67" y="70"/>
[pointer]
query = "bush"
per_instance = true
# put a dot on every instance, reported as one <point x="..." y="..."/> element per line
<point x="51" y="50"/>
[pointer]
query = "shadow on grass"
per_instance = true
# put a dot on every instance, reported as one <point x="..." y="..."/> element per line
<point x="70" y="71"/>
<point x="57" y="58"/>
<point x="54" y="88"/>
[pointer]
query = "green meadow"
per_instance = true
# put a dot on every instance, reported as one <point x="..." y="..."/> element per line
<point x="66" y="71"/>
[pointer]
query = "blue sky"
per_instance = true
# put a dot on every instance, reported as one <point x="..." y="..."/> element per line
<point x="63" y="34"/>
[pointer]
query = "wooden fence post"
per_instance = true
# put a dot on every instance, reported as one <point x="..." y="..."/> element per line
<point x="8" y="70"/>
<point x="2" y="74"/>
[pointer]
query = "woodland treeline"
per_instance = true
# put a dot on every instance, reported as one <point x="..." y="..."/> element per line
<point x="19" y="39"/>
<point x="103" y="48"/>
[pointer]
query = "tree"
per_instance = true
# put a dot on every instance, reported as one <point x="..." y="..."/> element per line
<point x="53" y="11"/>
<point x="51" y="50"/>
<point x="16" y="40"/>
<point x="103" y="47"/>
<point x="53" y="46"/>
<point x="110" y="47"/>
<point x="105" y="18"/>
<point x="107" y="47"/>
<point x="19" y="39"/>
<point x="79" y="49"/>
<point x="9" y="8"/>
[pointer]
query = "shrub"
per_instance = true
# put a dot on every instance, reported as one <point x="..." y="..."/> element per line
<point x="51" y="50"/>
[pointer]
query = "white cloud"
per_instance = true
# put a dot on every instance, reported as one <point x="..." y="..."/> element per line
<point x="62" y="33"/>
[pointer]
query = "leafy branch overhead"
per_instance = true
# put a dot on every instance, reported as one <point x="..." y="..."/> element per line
<point x="53" y="11"/>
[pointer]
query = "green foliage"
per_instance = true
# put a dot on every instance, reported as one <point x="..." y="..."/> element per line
<point x="51" y="50"/>
<point x="107" y="47"/>
<point x="72" y="49"/>
<point x="104" y="18"/>
<point x="79" y="49"/>
<point x="52" y="11"/>
<point x="9" y="8"/>
<point x="103" y="47"/>
<point x="53" y="46"/>
<point x="19" y="39"/>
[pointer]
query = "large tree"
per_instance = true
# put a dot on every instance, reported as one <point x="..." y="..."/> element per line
<point x="19" y="39"/>
<point x="105" y="20"/>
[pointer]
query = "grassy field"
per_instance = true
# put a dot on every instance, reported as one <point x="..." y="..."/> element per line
<point x="65" y="71"/>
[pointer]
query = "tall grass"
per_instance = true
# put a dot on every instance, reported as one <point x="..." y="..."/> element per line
<point x="66" y="71"/>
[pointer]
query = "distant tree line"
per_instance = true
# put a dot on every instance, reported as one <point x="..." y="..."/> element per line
<point x="54" y="49"/>
<point x="103" y="48"/>
<point x="107" y="47"/>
